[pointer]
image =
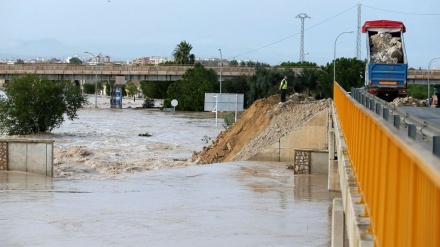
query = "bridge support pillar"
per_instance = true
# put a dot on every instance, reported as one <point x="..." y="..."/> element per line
<point x="333" y="172"/>
<point x="338" y="223"/>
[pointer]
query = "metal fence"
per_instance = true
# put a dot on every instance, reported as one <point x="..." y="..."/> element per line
<point x="399" y="182"/>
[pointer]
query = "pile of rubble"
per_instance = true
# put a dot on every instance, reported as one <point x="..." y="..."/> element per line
<point x="263" y="123"/>
<point x="409" y="101"/>
<point x="385" y="48"/>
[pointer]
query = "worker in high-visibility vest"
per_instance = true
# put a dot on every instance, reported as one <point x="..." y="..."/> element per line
<point x="283" y="88"/>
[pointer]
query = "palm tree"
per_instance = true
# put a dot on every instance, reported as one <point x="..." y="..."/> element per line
<point x="182" y="54"/>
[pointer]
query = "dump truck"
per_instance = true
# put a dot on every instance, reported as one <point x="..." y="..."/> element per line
<point x="387" y="66"/>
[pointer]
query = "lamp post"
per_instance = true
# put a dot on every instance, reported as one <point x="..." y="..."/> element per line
<point x="429" y="86"/>
<point x="334" y="56"/>
<point x="221" y="71"/>
<point x="96" y="79"/>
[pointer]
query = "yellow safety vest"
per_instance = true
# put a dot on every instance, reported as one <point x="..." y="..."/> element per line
<point x="284" y="81"/>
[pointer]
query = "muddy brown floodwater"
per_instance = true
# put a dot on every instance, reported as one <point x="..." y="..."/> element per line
<point x="113" y="187"/>
<point x="231" y="204"/>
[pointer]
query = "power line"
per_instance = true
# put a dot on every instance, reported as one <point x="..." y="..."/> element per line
<point x="288" y="37"/>
<point x="356" y="6"/>
<point x="398" y="12"/>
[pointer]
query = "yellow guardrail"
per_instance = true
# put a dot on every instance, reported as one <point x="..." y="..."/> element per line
<point x="399" y="182"/>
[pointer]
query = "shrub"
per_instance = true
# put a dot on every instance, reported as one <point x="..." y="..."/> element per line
<point x="33" y="105"/>
<point x="228" y="119"/>
<point x="148" y="103"/>
<point x="89" y="88"/>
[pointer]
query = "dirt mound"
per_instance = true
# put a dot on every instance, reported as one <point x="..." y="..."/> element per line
<point x="260" y="125"/>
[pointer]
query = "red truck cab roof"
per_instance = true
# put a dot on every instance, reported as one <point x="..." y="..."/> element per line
<point x="383" y="24"/>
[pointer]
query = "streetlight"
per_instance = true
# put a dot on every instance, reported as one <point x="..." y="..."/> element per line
<point x="221" y="70"/>
<point x="429" y="86"/>
<point x="96" y="79"/>
<point x="334" y="56"/>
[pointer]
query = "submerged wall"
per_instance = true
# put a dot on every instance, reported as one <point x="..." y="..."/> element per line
<point x="26" y="155"/>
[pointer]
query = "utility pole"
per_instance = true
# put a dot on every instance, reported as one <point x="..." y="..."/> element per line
<point x="358" y="38"/>
<point x="302" y="16"/>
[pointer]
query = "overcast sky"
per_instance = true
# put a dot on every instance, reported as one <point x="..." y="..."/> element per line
<point x="267" y="31"/>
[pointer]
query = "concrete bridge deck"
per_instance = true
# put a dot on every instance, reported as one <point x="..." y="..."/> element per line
<point x="154" y="73"/>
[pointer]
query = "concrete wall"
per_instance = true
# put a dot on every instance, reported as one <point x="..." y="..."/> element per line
<point x="34" y="156"/>
<point x="356" y="225"/>
<point x="311" y="136"/>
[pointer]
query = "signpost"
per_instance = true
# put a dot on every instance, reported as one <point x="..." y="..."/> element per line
<point x="174" y="103"/>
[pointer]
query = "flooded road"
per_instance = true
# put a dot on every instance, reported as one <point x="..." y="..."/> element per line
<point x="230" y="204"/>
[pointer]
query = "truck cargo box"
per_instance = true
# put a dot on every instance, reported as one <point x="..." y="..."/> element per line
<point x="387" y="66"/>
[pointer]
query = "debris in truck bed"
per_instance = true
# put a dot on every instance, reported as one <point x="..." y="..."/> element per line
<point x="385" y="48"/>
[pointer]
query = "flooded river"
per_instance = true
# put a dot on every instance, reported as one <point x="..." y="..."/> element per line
<point x="233" y="204"/>
<point x="113" y="187"/>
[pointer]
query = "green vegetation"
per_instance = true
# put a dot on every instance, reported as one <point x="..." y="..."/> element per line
<point x="190" y="91"/>
<point x="182" y="54"/>
<point x="419" y="91"/>
<point x="298" y="64"/>
<point x="307" y="81"/>
<point x="313" y="80"/>
<point x="34" y="105"/>
<point x="148" y="103"/>
<point x="89" y="88"/>
<point x="266" y="81"/>
<point x="75" y="60"/>
<point x="155" y="89"/>
<point x="228" y="119"/>
<point x="131" y="89"/>
<point x="349" y="73"/>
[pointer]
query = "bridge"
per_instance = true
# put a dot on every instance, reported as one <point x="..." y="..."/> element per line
<point x="109" y="72"/>
<point x="154" y="73"/>
<point x="390" y="182"/>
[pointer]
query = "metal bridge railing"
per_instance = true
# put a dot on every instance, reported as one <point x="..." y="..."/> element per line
<point x="417" y="128"/>
<point x="399" y="182"/>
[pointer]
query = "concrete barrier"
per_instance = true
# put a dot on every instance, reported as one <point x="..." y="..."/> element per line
<point x="338" y="229"/>
<point x="310" y="138"/>
<point x="357" y="226"/>
<point x="27" y="155"/>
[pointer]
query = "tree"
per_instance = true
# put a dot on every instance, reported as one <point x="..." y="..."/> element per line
<point x="190" y="90"/>
<point x="233" y="63"/>
<point x="131" y="88"/>
<point x="266" y="81"/>
<point x="33" y="105"/>
<point x="75" y="60"/>
<point x="237" y="85"/>
<point x="307" y="80"/>
<point x="348" y="74"/>
<point x="299" y="64"/>
<point x="324" y="89"/>
<point x="155" y="89"/>
<point x="182" y="54"/>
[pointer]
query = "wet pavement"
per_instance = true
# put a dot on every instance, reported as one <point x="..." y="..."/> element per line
<point x="230" y="204"/>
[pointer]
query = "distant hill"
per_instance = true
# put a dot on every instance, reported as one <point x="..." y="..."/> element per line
<point x="33" y="48"/>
